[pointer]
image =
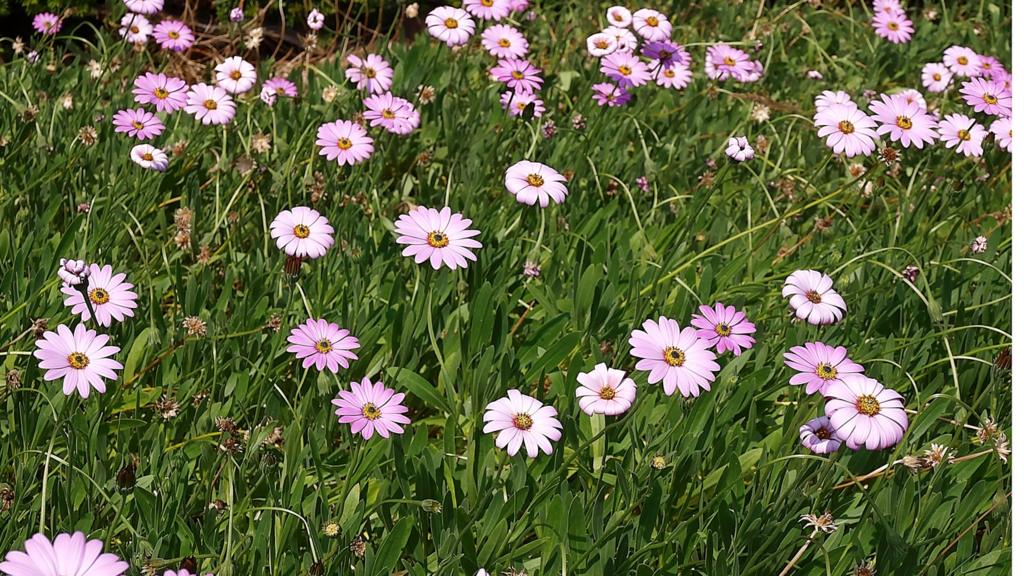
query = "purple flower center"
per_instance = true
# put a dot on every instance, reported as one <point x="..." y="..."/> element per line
<point x="723" y="329"/>
<point x="846" y="127"/>
<point x="522" y="421"/>
<point x="301" y="231"/>
<point x="823" y="434"/>
<point x="371" y="411"/>
<point x="77" y="360"/>
<point x="868" y="405"/>
<point x="674" y="356"/>
<point x="437" y="239"/>
<point x="607" y="392"/>
<point x="99" y="296"/>
<point x="534" y="180"/>
<point x="813" y="297"/>
<point x="826" y="371"/>
<point x="324" y="346"/>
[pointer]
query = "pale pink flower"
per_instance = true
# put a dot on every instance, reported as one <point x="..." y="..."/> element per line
<point x="865" y="414"/>
<point x="110" y="296"/>
<point x="908" y="124"/>
<point x="846" y="129"/>
<point x="344" y="141"/>
<point x="47" y="23"/>
<point x="315" y="20"/>
<point x="819" y="366"/>
<point x="677" y="76"/>
<point x="1002" y="131"/>
<point x="149" y="157"/>
<point x="236" y="75"/>
<point x="605" y="390"/>
<point x="516" y="103"/>
<point x="209" y="104"/>
<point x="895" y="28"/>
<point x="520" y="75"/>
<point x="373" y="73"/>
<point x="521" y="420"/>
<point x="322" y="344"/>
<point x="144" y="6"/>
<point x="679" y="359"/>
<point x="135" y="28"/>
<point x="601" y="44"/>
<point x="625" y="40"/>
<point x="394" y="114"/>
<point x="651" y="24"/>
<point x="818" y="436"/>
<point x="535" y="183"/>
<point x="727" y="328"/>
<point x="442" y="237"/>
<point x="828" y="98"/>
<point x="302" y="232"/>
<point x="608" y="94"/>
<point x="962" y="61"/>
<point x="504" y="41"/>
<point x="453" y="26"/>
<point x="626" y="69"/>
<point x="987" y="97"/>
<point x="619" y="16"/>
<point x="488" y="9"/>
<point x="67" y="555"/>
<point x="812" y="297"/>
<point x="370" y="408"/>
<point x="81" y="358"/>
<point x="935" y="77"/>
<point x="963" y="133"/>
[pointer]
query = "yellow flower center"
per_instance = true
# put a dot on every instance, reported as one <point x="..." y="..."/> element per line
<point x="989" y="99"/>
<point x="962" y="60"/>
<point x="893" y="25"/>
<point x="669" y="73"/>
<point x="487" y="3"/>
<point x="651" y="21"/>
<point x="77" y="360"/>
<point x="936" y="77"/>
<point x="517" y="75"/>
<point x="729" y="61"/>
<point x="370" y="411"/>
<point x="964" y="135"/>
<point x="437" y="239"/>
<point x="607" y="392"/>
<point x="235" y="75"/>
<point x="147" y="156"/>
<point x="369" y="72"/>
<point x="674" y="356"/>
<point x="723" y="329"/>
<point x="826" y="371"/>
<point x="387" y="113"/>
<point x="904" y="122"/>
<point x="301" y="231"/>
<point x="161" y="93"/>
<point x="99" y="296"/>
<point x="535" y="180"/>
<point x="522" y="421"/>
<point x="504" y="43"/>
<point x="344" y="143"/>
<point x="625" y="70"/>
<point x="173" y="35"/>
<point x="210" y="104"/>
<point x="451" y="23"/>
<point x="814" y="297"/>
<point x="868" y="405"/>
<point x="324" y="346"/>
<point x="134" y="29"/>
<point x="846" y="127"/>
<point x="137" y="125"/>
<point x="600" y="44"/>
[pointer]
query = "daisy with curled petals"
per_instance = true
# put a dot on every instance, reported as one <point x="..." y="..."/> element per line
<point x="625" y="41"/>
<point x="209" y="104"/>
<point x="149" y="157"/>
<point x="81" y="358"/>
<point x="516" y="103"/>
<point x="451" y="25"/>
<point x="236" y="75"/>
<point x="322" y="344"/>
<point x="344" y="141"/>
<point x="504" y="41"/>
<point x="962" y="61"/>
<point x="144" y="6"/>
<point x="608" y="94"/>
<point x="828" y="98"/>
<point x="173" y="35"/>
<point x="990" y="66"/>
<point x="625" y="69"/>
<point x="167" y="93"/>
<point x="135" y="28"/>
<point x="281" y="87"/>
<point x="904" y="122"/>
<point x="535" y="183"/>
<point x="812" y="298"/>
<point x="518" y="75"/>
<point x="913" y="97"/>
<point x="488" y="9"/>
<point x="46" y="23"/>
<point x="675" y="76"/>
<point x="819" y="366"/>
<point x="1002" y="131"/>
<point x="818" y="436"/>
<point x="521" y="420"/>
<point x="302" y="232"/>
<point x="605" y="390"/>
<point x="109" y="296"/>
<point x="963" y="133"/>
<point x="372" y="74"/>
<point x="935" y="77"/>
<point x="138" y="123"/>
<point x="866" y="414"/>
<point x="679" y="359"/>
<point x="987" y="96"/>
<point x="665" y="52"/>
<point x="847" y="130"/>
<point x="443" y="237"/>
<point x="371" y="408"/>
<point x="738" y="149"/>
<point x="651" y="24"/>
<point x="67" y="555"/>
<point x="619" y="16"/>
<point x="394" y="114"/>
<point x="315" y="20"/>
<point x="601" y="44"/>
<point x="895" y="28"/>
<point x="727" y="328"/>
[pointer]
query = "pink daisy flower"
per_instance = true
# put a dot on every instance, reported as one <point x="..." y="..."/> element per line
<point x="828" y="98"/>
<point x="935" y="77"/>
<point x="518" y="74"/>
<point x="72" y="272"/>
<point x="624" y="39"/>
<point x="725" y="327"/>
<point x="865" y="414"/>
<point x="149" y="157"/>
<point x="394" y="114"/>
<point x="371" y="408"/>
<point x="619" y="16"/>
<point x="68" y="554"/>
<point x="987" y="97"/>
<point x="488" y="9"/>
<point x="236" y="75"/>
<point x="895" y="28"/>
<point x="173" y="35"/>
<point x="665" y="52"/>
<point x="443" y="237"/>
<point x="818" y="436"/>
<point x="677" y="76"/>
<point x="722" y="62"/>
<point x="908" y="124"/>
<point x="819" y="366"/>
<point x="846" y="129"/>
<point x="209" y="104"/>
<point x="344" y="141"/>
<point x="451" y="25"/>
<point x="81" y="358"/>
<point x="110" y="296"/>
<point x="144" y="6"/>
<point x="516" y="103"/>
<point x="138" y="123"/>
<point x="962" y="61"/>
<point x="605" y="390"/>
<point x="963" y="133"/>
<point x="887" y="6"/>
<point x="135" y="28"/>
<point x="322" y="344"/>
<point x="608" y="94"/>
<point x="47" y="23"/>
<point x="625" y="69"/>
<point x="315" y="19"/>
<point x="651" y="24"/>
<point x="990" y="66"/>
<point x="1002" y="131"/>
<point x="533" y="183"/>
<point x="739" y="149"/>
<point x="302" y="232"/>
<point x="679" y="359"/>
<point x="521" y="421"/>
<point x="504" y="41"/>
<point x="372" y="73"/>
<point x="167" y="93"/>
<point x="912" y="97"/>
<point x="601" y="44"/>
<point x="281" y="87"/>
<point x="812" y="297"/>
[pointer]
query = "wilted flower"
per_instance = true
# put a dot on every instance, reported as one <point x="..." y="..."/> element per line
<point x="824" y="523"/>
<point x="979" y="245"/>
